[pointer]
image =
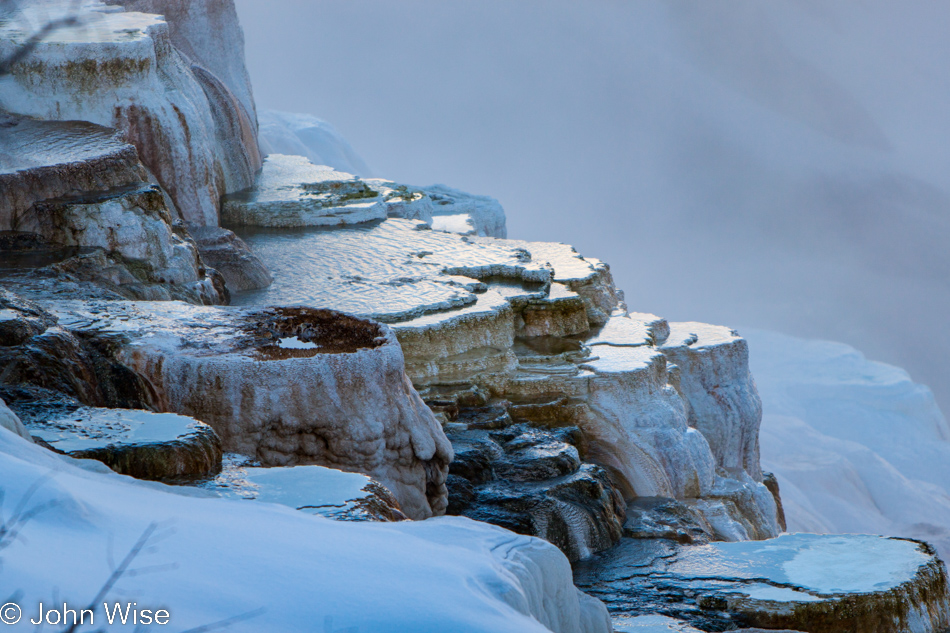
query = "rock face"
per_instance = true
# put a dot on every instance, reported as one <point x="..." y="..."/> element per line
<point x="286" y="386"/>
<point x="532" y="481"/>
<point x="803" y="582"/>
<point x="190" y="25"/>
<point x="140" y="444"/>
<point x="78" y="186"/>
<point x="542" y="334"/>
<point x="326" y="492"/>
<point x="122" y="70"/>
<point x="228" y="254"/>
<point x="40" y="358"/>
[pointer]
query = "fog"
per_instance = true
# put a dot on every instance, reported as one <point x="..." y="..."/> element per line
<point x="783" y="165"/>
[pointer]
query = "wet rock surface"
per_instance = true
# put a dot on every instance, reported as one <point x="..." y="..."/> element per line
<point x="543" y="333"/>
<point x="325" y="492"/>
<point x="531" y="481"/>
<point x="141" y="444"/>
<point x="806" y="582"/>
<point x="78" y="190"/>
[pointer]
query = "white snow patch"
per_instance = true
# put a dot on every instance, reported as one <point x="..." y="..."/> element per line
<point x="216" y="558"/>
<point x="856" y="445"/>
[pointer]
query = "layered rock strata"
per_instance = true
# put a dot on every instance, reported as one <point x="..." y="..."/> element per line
<point x="78" y="189"/>
<point x="803" y="582"/>
<point x="531" y="481"/>
<point x="542" y="333"/>
<point x="122" y="70"/>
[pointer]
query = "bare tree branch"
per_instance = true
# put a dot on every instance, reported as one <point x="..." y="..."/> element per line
<point x="71" y="19"/>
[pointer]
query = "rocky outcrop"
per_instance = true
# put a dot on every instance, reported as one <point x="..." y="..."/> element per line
<point x="210" y="36"/>
<point x="292" y="191"/>
<point x="804" y="582"/>
<point x="78" y="186"/>
<point x="325" y="492"/>
<point x="531" y="481"/>
<point x="122" y="70"/>
<point x="141" y="444"/>
<point x="286" y="386"/>
<point x="542" y="333"/>
<point x="224" y="251"/>
<point x="39" y="358"/>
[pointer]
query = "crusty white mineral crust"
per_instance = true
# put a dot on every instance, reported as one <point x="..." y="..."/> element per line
<point x="355" y="410"/>
<point x="121" y="70"/>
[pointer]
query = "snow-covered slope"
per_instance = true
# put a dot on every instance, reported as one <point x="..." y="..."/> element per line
<point x="856" y="445"/>
<point x="305" y="135"/>
<point x="289" y="570"/>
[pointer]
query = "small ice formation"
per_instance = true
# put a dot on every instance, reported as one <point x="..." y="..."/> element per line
<point x="326" y="492"/>
<point x="807" y="582"/>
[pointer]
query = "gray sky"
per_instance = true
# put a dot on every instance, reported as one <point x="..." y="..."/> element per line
<point x="781" y="164"/>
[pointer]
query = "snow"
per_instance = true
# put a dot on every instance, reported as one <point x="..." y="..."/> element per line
<point x="305" y="135"/>
<point x="10" y="421"/>
<point x="856" y="445"/>
<point x="306" y="572"/>
<point x="651" y="624"/>
<point x="483" y="213"/>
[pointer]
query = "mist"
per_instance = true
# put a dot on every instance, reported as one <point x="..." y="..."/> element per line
<point x="781" y="165"/>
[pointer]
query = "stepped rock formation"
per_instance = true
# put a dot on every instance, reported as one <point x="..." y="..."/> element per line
<point x="806" y="582"/>
<point x="542" y="334"/>
<point x="122" y="70"/>
<point x="78" y="186"/>
<point x="284" y="385"/>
